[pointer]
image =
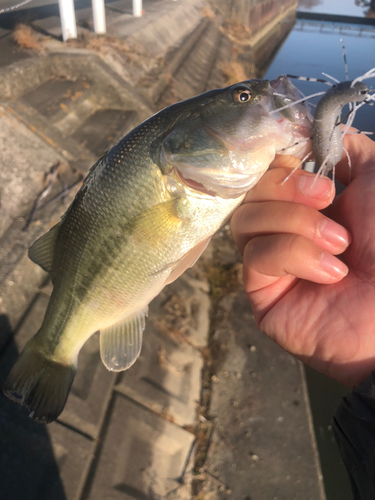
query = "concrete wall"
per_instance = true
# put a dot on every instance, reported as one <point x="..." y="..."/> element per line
<point x="265" y="11"/>
<point x="253" y="14"/>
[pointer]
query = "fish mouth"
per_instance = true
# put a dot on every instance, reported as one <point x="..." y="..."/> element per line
<point x="283" y="85"/>
<point x="194" y="185"/>
<point x="282" y="79"/>
<point x="226" y="185"/>
<point x="226" y="160"/>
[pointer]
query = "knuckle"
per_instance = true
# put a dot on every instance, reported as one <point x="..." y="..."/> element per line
<point x="251" y="250"/>
<point x="287" y="188"/>
<point x="277" y="175"/>
<point x="239" y="223"/>
<point x="292" y="245"/>
<point x="304" y="219"/>
<point x="238" y="219"/>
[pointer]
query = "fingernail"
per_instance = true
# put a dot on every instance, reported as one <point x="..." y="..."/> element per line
<point x="333" y="266"/>
<point x="315" y="187"/>
<point x="334" y="233"/>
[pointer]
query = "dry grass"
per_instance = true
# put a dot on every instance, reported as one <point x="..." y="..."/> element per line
<point x="208" y="12"/>
<point x="203" y="434"/>
<point x="166" y="413"/>
<point x="237" y="32"/>
<point x="134" y="58"/>
<point x="233" y="72"/>
<point x="162" y="357"/>
<point x="224" y="279"/>
<point x="87" y="40"/>
<point x="26" y="38"/>
<point x="132" y="53"/>
<point x="174" y="321"/>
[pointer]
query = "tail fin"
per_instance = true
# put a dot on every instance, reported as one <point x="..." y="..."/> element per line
<point x="40" y="384"/>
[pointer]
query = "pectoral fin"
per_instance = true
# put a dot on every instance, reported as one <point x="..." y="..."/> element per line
<point x="120" y="344"/>
<point x="188" y="260"/>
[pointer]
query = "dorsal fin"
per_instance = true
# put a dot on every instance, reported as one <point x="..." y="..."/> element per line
<point x="42" y="250"/>
<point x="120" y="344"/>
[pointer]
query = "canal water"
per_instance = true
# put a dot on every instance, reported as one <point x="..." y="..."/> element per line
<point x="313" y="48"/>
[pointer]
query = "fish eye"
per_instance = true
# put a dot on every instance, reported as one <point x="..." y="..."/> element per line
<point x="241" y="95"/>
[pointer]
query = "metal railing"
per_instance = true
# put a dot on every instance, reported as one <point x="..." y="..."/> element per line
<point x="68" y="17"/>
<point x="68" y="20"/>
<point x="346" y="30"/>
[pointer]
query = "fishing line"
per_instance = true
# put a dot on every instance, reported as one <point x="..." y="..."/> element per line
<point x="355" y="108"/>
<point x="309" y="79"/>
<point x="296" y="102"/>
<point x="349" y="164"/>
<point x="331" y="77"/>
<point x="302" y="141"/>
<point x="367" y="75"/>
<point x="345" y="61"/>
<point x="296" y="168"/>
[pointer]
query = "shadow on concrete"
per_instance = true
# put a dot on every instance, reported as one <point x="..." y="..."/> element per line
<point x="325" y="395"/>
<point x="28" y="467"/>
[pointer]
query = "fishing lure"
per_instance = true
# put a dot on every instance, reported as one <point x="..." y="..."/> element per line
<point x="326" y="133"/>
<point x="327" y="138"/>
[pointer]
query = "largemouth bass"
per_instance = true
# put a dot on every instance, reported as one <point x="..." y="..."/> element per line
<point x="145" y="213"/>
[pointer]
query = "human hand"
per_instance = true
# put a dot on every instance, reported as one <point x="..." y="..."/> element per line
<point x="317" y="307"/>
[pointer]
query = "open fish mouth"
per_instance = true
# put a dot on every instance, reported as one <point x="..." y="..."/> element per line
<point x="284" y="94"/>
<point x="230" y="183"/>
<point x="226" y="158"/>
<point x="194" y="185"/>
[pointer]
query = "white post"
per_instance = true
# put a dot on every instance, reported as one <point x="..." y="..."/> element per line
<point x="137" y="8"/>
<point x="68" y="19"/>
<point x="99" y="16"/>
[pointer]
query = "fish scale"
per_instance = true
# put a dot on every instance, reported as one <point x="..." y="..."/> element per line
<point x="144" y="214"/>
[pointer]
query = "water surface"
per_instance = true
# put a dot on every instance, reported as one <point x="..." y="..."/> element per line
<point x="311" y="53"/>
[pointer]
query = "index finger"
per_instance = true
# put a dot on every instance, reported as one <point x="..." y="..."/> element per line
<point x="285" y="161"/>
<point x="302" y="187"/>
<point x="359" y="148"/>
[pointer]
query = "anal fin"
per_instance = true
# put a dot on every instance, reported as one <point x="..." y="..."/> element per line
<point x="120" y="344"/>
